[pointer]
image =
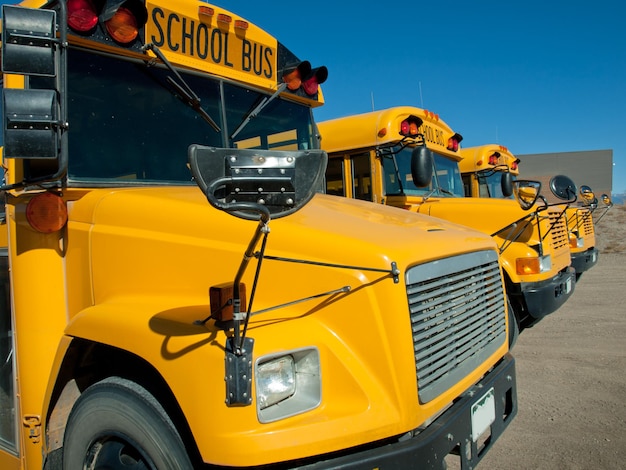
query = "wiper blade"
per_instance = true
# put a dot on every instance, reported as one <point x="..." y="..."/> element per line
<point x="182" y="88"/>
<point x="255" y="112"/>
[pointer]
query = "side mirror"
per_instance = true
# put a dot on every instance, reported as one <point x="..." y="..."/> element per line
<point x="246" y="183"/>
<point x="422" y="166"/>
<point x="506" y="184"/>
<point x="606" y="199"/>
<point x="586" y="194"/>
<point x="31" y="117"/>
<point x="28" y="41"/>
<point x="563" y="187"/>
<point x="526" y="192"/>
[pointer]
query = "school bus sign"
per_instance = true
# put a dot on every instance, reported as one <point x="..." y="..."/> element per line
<point x="229" y="44"/>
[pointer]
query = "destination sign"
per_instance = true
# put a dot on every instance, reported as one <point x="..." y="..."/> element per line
<point x="211" y="42"/>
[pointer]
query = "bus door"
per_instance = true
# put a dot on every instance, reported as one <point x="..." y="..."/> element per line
<point x="8" y="431"/>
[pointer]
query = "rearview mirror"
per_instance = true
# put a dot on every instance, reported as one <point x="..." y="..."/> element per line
<point x="28" y="41"/>
<point x="246" y="183"/>
<point x="422" y="166"/>
<point x="563" y="187"/>
<point x="506" y="184"/>
<point x="606" y="199"/>
<point x="586" y="194"/>
<point x="526" y="192"/>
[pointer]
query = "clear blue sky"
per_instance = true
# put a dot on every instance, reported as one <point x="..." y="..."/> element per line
<point x="535" y="76"/>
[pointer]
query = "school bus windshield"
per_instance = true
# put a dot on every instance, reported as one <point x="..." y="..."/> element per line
<point x="128" y="123"/>
<point x="490" y="184"/>
<point x="446" y="180"/>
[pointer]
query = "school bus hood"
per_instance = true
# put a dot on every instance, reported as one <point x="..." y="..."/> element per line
<point x="484" y="214"/>
<point x="328" y="228"/>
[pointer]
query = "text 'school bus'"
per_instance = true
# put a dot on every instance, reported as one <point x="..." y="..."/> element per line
<point x="485" y="167"/>
<point x="149" y="316"/>
<point x="409" y="157"/>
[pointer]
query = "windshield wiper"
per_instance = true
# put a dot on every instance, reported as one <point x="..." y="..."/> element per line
<point x="255" y="112"/>
<point x="182" y="88"/>
<point x="445" y="191"/>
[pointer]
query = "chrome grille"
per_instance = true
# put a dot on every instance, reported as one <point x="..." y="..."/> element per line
<point x="558" y="232"/>
<point x="457" y="316"/>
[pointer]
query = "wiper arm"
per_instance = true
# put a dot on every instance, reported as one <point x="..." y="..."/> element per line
<point x="182" y="88"/>
<point x="255" y="112"/>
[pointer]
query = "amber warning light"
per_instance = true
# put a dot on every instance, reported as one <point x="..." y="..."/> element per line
<point x="122" y="20"/>
<point x="46" y="213"/>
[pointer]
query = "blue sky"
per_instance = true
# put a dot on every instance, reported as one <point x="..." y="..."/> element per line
<point x="535" y="76"/>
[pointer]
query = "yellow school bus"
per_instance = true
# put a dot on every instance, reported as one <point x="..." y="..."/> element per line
<point x="483" y="169"/>
<point x="379" y="157"/>
<point x="149" y="316"/>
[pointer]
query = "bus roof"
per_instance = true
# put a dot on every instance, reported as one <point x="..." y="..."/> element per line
<point x="483" y="157"/>
<point x="199" y="36"/>
<point x="380" y="128"/>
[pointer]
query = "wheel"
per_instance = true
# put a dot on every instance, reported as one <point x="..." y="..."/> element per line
<point x="514" y="328"/>
<point x="116" y="424"/>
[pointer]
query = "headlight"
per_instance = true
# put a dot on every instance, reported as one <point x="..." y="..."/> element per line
<point x="574" y="241"/>
<point x="276" y="380"/>
<point x="287" y="384"/>
<point x="535" y="265"/>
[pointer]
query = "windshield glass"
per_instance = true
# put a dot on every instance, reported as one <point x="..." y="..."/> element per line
<point x="127" y="124"/>
<point x="446" y="180"/>
<point x="490" y="185"/>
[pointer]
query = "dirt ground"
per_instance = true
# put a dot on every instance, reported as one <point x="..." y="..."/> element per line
<point x="571" y="373"/>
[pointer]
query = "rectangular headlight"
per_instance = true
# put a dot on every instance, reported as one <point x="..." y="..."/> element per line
<point x="276" y="380"/>
<point x="287" y="384"/>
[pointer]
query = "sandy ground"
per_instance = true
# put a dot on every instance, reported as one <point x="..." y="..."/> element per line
<point x="571" y="373"/>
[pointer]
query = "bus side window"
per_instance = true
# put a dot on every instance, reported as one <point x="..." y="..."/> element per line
<point x="334" y="177"/>
<point x="467" y="184"/>
<point x="361" y="176"/>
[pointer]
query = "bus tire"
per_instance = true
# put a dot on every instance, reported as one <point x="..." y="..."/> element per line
<point x="116" y="423"/>
<point x="514" y="328"/>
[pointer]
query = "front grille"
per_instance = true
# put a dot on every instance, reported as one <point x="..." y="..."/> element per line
<point x="558" y="230"/>
<point x="585" y="222"/>
<point x="457" y="316"/>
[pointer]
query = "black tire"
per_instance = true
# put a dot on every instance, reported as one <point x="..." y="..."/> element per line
<point x="116" y="424"/>
<point x="514" y="328"/>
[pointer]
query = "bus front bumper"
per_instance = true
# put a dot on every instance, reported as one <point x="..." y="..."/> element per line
<point x="584" y="260"/>
<point x="449" y="435"/>
<point x="545" y="297"/>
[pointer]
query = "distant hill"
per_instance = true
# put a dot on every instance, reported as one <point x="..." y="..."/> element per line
<point x="619" y="198"/>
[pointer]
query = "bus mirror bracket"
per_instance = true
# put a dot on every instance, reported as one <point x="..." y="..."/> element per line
<point x="253" y="185"/>
<point x="422" y="166"/>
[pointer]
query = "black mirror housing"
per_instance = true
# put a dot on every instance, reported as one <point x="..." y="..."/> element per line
<point x="422" y="166"/>
<point x="246" y="182"/>
<point x="28" y="38"/>
<point x="563" y="187"/>
<point x="506" y="184"/>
